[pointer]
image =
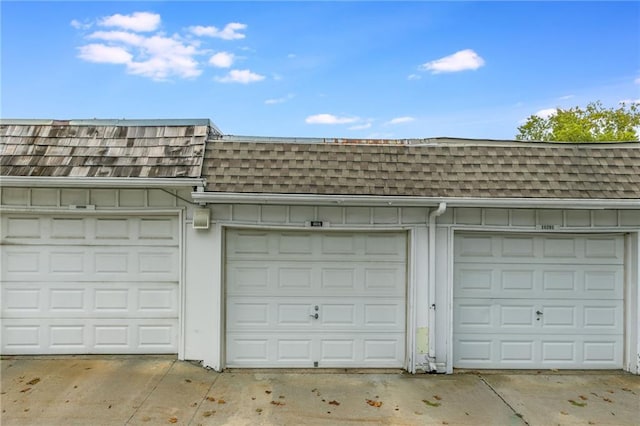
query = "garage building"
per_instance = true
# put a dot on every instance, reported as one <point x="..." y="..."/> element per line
<point x="166" y="236"/>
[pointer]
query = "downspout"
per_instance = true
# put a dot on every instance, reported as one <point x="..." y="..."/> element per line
<point x="432" y="284"/>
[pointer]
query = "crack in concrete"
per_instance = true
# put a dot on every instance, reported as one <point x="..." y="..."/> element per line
<point x="519" y="415"/>
<point x="151" y="392"/>
<point x="203" y="398"/>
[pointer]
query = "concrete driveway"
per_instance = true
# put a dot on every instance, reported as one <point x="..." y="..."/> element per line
<point x="156" y="390"/>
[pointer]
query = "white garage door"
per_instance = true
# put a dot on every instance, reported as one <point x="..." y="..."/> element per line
<point x="538" y="301"/>
<point x="299" y="298"/>
<point x="79" y="285"/>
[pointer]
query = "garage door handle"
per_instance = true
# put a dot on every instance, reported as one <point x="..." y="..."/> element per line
<point x="314" y="315"/>
<point x="538" y="313"/>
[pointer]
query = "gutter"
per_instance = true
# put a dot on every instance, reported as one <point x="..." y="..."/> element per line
<point x="406" y="201"/>
<point x="98" y="182"/>
<point x="432" y="284"/>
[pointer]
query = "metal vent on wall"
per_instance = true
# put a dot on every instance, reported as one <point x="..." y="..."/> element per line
<point x="201" y="218"/>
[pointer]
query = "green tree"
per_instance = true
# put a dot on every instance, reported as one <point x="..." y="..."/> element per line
<point x="591" y="124"/>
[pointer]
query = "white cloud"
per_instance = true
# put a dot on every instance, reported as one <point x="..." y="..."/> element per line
<point x="104" y="54"/>
<point x="546" y="113"/>
<point x="565" y="97"/>
<point x="240" y="76"/>
<point x="229" y="32"/>
<point x="629" y="101"/>
<point x="400" y="120"/>
<point x="80" y="25"/>
<point x="291" y="55"/>
<point x="637" y="80"/>
<point x="279" y="100"/>
<point x="413" y="77"/>
<point x="134" y="41"/>
<point x="166" y="57"/>
<point x="329" y="119"/>
<point x="460" y="61"/>
<point x="156" y="57"/>
<point x="222" y="60"/>
<point x="137" y="21"/>
<point x="118" y="36"/>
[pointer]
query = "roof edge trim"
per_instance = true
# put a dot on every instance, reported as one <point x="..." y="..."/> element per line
<point x="108" y="122"/>
<point x="89" y="182"/>
<point x="418" y="142"/>
<point x="391" y="201"/>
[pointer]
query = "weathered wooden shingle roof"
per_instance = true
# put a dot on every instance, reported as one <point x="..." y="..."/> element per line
<point x="438" y="168"/>
<point x="104" y="148"/>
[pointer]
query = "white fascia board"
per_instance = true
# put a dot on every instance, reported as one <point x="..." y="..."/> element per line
<point x="98" y="182"/>
<point x="367" y="200"/>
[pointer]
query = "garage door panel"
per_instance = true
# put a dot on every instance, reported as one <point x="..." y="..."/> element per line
<point x="112" y="228"/>
<point x="296" y="243"/>
<point x="295" y="277"/>
<point x="86" y="300"/>
<point x="353" y="282"/>
<point x="287" y="313"/>
<point x="16" y="227"/>
<point x="602" y="317"/>
<point x="20" y="262"/>
<point x="69" y="230"/>
<point x="291" y="246"/>
<point x="335" y="351"/>
<point x="559" y="351"/>
<point x="610" y="248"/>
<point x="597" y="351"/>
<point x="382" y="350"/>
<point x="339" y="278"/>
<point x="93" y="284"/>
<point x="337" y="244"/>
<point x="56" y="263"/>
<point x="313" y="277"/>
<point x="68" y="227"/>
<point x="522" y="280"/>
<point x="538" y="301"/>
<point x="298" y="350"/>
<point x="251" y="349"/>
<point x="302" y="350"/>
<point x="391" y="246"/>
<point x="603" y="282"/>
<point x="248" y="350"/>
<point x="605" y="249"/>
<point x="602" y="351"/>
<point x="91" y="336"/>
<point x="472" y="350"/>
<point x="511" y="316"/>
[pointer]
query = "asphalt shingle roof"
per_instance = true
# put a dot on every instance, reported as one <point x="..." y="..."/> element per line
<point x="441" y="169"/>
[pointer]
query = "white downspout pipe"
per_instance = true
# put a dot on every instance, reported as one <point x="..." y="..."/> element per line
<point x="432" y="283"/>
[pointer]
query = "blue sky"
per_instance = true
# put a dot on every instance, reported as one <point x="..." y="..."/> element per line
<point x="319" y="69"/>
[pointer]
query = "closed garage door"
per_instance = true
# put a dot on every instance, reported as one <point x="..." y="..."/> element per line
<point x="298" y="298"/>
<point x="79" y="285"/>
<point x="538" y="301"/>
